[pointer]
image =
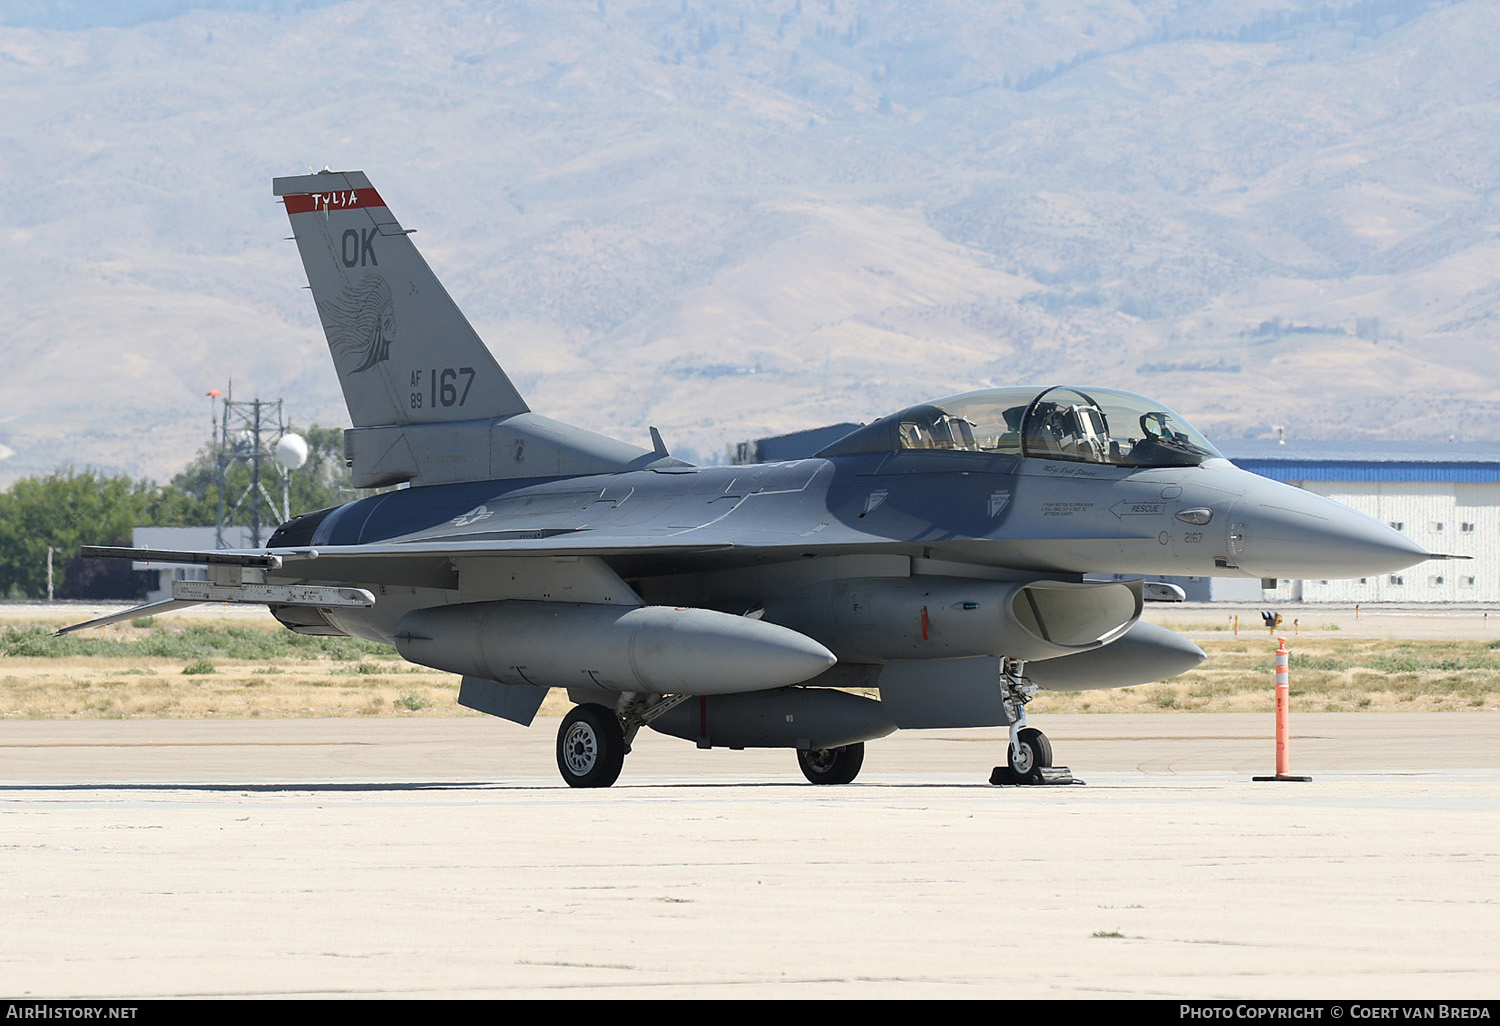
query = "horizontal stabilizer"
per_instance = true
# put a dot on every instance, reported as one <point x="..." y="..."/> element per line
<point x="259" y="560"/>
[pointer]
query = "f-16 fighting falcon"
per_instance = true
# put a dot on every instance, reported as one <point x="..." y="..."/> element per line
<point x="935" y="557"/>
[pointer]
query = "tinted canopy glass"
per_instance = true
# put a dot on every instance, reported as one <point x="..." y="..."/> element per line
<point x="1103" y="425"/>
<point x="1099" y="425"/>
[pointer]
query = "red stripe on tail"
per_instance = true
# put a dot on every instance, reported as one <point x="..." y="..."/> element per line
<point x="338" y="199"/>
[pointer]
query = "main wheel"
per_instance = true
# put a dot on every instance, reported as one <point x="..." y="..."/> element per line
<point x="1035" y="754"/>
<point x="832" y="765"/>
<point x="590" y="747"/>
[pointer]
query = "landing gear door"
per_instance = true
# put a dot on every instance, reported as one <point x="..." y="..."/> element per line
<point x="943" y="693"/>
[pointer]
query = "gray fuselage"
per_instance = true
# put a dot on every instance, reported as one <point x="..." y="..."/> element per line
<point x="1000" y="516"/>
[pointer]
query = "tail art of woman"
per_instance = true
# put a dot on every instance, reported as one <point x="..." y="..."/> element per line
<point x="361" y="323"/>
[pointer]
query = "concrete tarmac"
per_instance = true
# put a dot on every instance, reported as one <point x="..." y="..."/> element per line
<point x="444" y="858"/>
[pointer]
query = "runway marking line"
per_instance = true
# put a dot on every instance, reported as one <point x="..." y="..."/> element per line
<point x="1148" y="737"/>
<point x="186" y="744"/>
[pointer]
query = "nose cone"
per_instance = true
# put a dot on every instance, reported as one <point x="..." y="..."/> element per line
<point x="1280" y="531"/>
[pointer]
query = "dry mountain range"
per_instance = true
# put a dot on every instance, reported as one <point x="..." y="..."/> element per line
<point x="731" y="219"/>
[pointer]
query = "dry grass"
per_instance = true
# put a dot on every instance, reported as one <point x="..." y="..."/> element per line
<point x="81" y="688"/>
<point x="182" y="669"/>
<point x="178" y="668"/>
<point x="1328" y="674"/>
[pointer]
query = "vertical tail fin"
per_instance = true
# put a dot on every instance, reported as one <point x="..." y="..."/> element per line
<point x="404" y="352"/>
<point x="428" y="402"/>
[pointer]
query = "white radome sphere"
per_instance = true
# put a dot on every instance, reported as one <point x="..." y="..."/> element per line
<point x="291" y="451"/>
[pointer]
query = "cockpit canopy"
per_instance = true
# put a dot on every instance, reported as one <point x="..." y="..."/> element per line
<point x="1102" y="425"/>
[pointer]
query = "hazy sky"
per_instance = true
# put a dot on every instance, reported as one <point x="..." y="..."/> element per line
<point x="79" y="14"/>
<point x="736" y="219"/>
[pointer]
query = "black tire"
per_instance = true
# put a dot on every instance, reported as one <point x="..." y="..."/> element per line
<point x="1035" y="754"/>
<point x="832" y="765"/>
<point x="590" y="747"/>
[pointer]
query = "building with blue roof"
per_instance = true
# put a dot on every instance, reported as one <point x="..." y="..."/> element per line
<point x="1442" y="495"/>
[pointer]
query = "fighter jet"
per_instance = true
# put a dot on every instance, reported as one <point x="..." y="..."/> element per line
<point x="927" y="570"/>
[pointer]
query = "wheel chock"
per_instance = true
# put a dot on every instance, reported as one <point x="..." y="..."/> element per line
<point x="1005" y="776"/>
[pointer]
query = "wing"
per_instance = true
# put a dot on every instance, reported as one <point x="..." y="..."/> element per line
<point x="329" y="577"/>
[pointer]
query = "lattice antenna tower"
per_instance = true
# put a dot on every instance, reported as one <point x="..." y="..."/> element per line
<point x="254" y="433"/>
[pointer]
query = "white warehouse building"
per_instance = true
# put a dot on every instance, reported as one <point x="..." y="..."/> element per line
<point x="1444" y="496"/>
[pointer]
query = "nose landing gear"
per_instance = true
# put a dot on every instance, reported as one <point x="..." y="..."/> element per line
<point x="1029" y="757"/>
<point x="1030" y="762"/>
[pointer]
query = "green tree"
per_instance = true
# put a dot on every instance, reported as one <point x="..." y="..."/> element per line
<point x="64" y="510"/>
<point x="67" y="509"/>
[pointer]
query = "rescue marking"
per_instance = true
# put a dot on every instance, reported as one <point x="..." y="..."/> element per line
<point x="1126" y="508"/>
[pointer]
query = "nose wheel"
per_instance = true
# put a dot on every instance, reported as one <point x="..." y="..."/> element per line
<point x="1029" y="755"/>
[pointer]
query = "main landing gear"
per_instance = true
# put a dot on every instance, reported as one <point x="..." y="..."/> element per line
<point x="594" y="739"/>
<point x="832" y="765"/>
<point x="590" y="747"/>
<point x="1029" y="757"/>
